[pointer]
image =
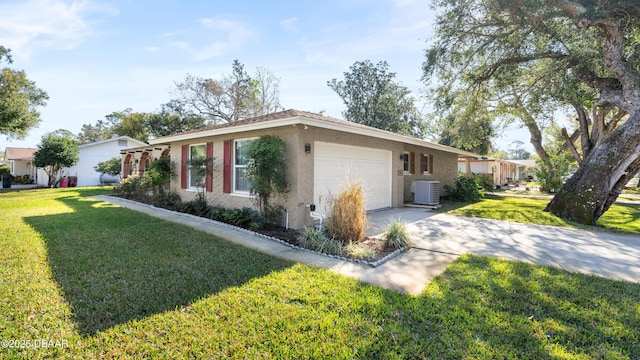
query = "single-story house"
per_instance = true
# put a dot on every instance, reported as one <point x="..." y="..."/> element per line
<point x="92" y="153"/>
<point x="21" y="163"/>
<point x="501" y="172"/>
<point x="322" y="154"/>
<point x="526" y="169"/>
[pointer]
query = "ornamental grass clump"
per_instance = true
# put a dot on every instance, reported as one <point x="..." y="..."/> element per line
<point x="396" y="235"/>
<point x="348" y="221"/>
<point x="315" y="239"/>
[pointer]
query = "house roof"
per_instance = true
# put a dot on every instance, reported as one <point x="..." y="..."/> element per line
<point x="114" y="138"/>
<point x="16" y="153"/>
<point x="528" y="163"/>
<point x="297" y="117"/>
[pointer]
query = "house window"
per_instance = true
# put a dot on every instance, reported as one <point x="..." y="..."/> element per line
<point x="122" y="143"/>
<point x="196" y="152"/>
<point x="425" y="163"/>
<point x="240" y="183"/>
<point x="405" y="163"/>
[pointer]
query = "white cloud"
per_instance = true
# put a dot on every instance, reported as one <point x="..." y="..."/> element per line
<point x="27" y="26"/>
<point x="230" y="34"/>
<point x="214" y="37"/>
<point x="290" y="24"/>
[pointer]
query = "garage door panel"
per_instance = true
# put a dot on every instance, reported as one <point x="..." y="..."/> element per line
<point x="335" y="165"/>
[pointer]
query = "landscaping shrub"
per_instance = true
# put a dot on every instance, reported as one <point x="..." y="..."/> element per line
<point x="466" y="189"/>
<point x="360" y="252"/>
<point x="159" y="174"/>
<point x="266" y="171"/>
<point x="315" y="239"/>
<point x="245" y="217"/>
<point x="396" y="235"/>
<point x="217" y="213"/>
<point x="23" y="179"/>
<point x="485" y="183"/>
<point x="348" y="221"/>
<point x="198" y="206"/>
<point x="132" y="187"/>
<point x="168" y="200"/>
<point x="5" y="170"/>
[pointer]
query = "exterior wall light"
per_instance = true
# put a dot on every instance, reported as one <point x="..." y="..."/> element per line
<point x="307" y="148"/>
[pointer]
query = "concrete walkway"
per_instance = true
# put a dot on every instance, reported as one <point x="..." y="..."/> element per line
<point x="439" y="239"/>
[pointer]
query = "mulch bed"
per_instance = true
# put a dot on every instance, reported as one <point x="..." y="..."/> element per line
<point x="291" y="235"/>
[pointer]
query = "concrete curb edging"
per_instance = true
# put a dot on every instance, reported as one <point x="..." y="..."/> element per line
<point x="372" y="264"/>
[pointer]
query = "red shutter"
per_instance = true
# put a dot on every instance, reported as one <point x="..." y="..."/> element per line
<point x="183" y="167"/>
<point x="422" y="169"/>
<point x="412" y="162"/>
<point x="226" y="167"/>
<point x="209" y="176"/>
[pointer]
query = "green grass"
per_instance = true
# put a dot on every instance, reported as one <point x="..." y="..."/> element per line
<point x="620" y="217"/>
<point x="114" y="283"/>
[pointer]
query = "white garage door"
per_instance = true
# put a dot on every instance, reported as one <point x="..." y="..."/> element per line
<point x="334" y="165"/>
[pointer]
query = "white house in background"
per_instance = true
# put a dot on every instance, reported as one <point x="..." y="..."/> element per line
<point x="93" y="153"/>
<point x="501" y="172"/>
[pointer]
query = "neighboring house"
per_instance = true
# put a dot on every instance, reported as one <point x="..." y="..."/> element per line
<point x="526" y="169"/>
<point x="93" y="153"/>
<point x="21" y="162"/>
<point x="322" y="154"/>
<point x="500" y="172"/>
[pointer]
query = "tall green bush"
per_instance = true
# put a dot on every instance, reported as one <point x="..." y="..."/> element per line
<point x="267" y="172"/>
<point x="159" y="173"/>
<point x="550" y="174"/>
<point x="466" y="189"/>
<point x="110" y="167"/>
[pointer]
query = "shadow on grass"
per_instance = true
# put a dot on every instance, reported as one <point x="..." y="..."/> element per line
<point x="488" y="308"/>
<point x="114" y="265"/>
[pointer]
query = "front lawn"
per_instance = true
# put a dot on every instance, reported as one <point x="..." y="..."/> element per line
<point x="107" y="282"/>
<point x="624" y="217"/>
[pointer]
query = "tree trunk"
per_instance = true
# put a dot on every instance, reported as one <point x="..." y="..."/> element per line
<point x="600" y="179"/>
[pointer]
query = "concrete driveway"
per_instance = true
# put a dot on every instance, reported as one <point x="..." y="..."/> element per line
<point x="610" y="255"/>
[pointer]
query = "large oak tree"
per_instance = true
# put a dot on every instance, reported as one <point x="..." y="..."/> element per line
<point x="19" y="100"/>
<point x="531" y="53"/>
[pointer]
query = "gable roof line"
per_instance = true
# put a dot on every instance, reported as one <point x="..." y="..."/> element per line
<point x="296" y="117"/>
<point x="123" y="137"/>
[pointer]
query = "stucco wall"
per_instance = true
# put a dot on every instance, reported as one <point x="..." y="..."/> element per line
<point x="300" y="167"/>
<point x="445" y="169"/>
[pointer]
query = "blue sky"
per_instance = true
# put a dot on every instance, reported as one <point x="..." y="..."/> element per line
<point x="96" y="57"/>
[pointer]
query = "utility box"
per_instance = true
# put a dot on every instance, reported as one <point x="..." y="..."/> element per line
<point x="426" y="192"/>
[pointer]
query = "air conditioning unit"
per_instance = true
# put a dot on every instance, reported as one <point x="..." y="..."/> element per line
<point x="426" y="192"/>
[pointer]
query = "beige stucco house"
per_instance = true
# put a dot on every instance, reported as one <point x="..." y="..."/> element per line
<point x="322" y="154"/>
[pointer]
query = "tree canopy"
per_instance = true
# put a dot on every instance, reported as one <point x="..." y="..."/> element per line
<point x="20" y="99"/>
<point x="374" y="99"/>
<point x="524" y="60"/>
<point x="230" y="98"/>
<point x="173" y="118"/>
<point x="55" y="152"/>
